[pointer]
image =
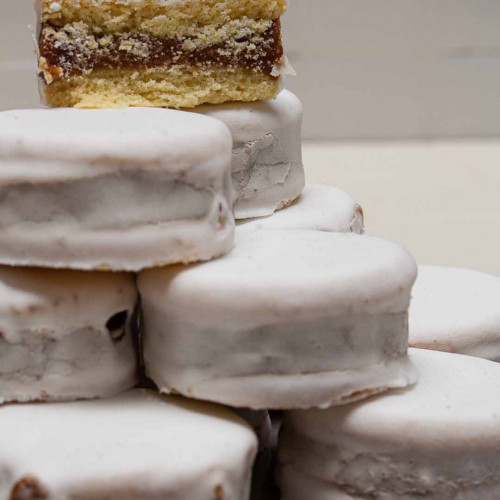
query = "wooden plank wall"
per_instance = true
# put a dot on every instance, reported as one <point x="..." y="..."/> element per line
<point x="383" y="69"/>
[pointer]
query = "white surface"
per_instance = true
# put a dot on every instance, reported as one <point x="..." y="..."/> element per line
<point x="456" y="310"/>
<point x="137" y="446"/>
<point x="231" y="330"/>
<point x="319" y="207"/>
<point x="118" y="190"/>
<point x="439" y="199"/>
<point x="386" y="69"/>
<point x="267" y="169"/>
<point x="438" y="439"/>
<point x="55" y="343"/>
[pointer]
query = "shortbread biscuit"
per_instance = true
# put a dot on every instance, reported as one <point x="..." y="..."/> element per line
<point x="109" y="53"/>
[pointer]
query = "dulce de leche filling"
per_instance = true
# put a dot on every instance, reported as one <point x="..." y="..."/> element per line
<point x="75" y="50"/>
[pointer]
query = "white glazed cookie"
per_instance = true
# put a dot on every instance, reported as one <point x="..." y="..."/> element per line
<point x="456" y="310"/>
<point x="439" y="439"/>
<point x="288" y="319"/>
<point x="137" y="446"/>
<point x="319" y="207"/>
<point x="267" y="165"/>
<point x="65" y="334"/>
<point x="113" y="189"/>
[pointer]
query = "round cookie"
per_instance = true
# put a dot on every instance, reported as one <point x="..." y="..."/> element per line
<point x="439" y="439"/>
<point x="137" y="446"/>
<point x="267" y="167"/>
<point x="456" y="310"/>
<point x="288" y="319"/>
<point x="319" y="207"/>
<point x="113" y="189"/>
<point x="65" y="334"/>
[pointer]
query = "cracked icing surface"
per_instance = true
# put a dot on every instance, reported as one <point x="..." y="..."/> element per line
<point x="295" y="485"/>
<point x="240" y="321"/>
<point x="65" y="334"/>
<point x="182" y="450"/>
<point x="120" y="190"/>
<point x="101" y="201"/>
<point x="438" y="439"/>
<point x="456" y="310"/>
<point x="319" y="207"/>
<point x="267" y="168"/>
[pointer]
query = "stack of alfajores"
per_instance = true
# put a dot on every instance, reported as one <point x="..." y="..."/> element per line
<point x="147" y="334"/>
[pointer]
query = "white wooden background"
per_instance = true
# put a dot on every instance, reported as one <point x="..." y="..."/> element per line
<point x="397" y="68"/>
<point x="367" y="69"/>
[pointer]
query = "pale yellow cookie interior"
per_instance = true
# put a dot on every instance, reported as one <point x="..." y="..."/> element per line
<point x="178" y="88"/>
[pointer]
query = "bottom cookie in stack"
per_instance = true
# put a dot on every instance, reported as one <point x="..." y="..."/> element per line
<point x="456" y="310"/>
<point x="135" y="446"/>
<point x="66" y="334"/>
<point x="439" y="439"/>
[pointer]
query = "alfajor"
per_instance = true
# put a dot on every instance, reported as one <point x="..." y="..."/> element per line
<point x="117" y="190"/>
<point x="438" y="439"/>
<point x="288" y="319"/>
<point x="66" y="334"/>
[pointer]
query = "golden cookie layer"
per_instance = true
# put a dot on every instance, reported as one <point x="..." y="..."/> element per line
<point x="179" y="87"/>
<point x="158" y="17"/>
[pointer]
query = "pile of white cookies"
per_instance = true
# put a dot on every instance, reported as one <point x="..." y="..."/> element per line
<point x="129" y="295"/>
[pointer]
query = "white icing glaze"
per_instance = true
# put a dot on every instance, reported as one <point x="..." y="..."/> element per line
<point x="267" y="168"/>
<point x="136" y="446"/>
<point x="456" y="310"/>
<point x="295" y="485"/>
<point x="55" y="339"/>
<point x="113" y="189"/>
<point x="319" y="207"/>
<point x="233" y="330"/>
<point x="438" y="439"/>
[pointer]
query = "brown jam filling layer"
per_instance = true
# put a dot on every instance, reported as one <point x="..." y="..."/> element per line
<point x="67" y="52"/>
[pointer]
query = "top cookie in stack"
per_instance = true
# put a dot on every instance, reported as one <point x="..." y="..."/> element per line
<point x="163" y="53"/>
